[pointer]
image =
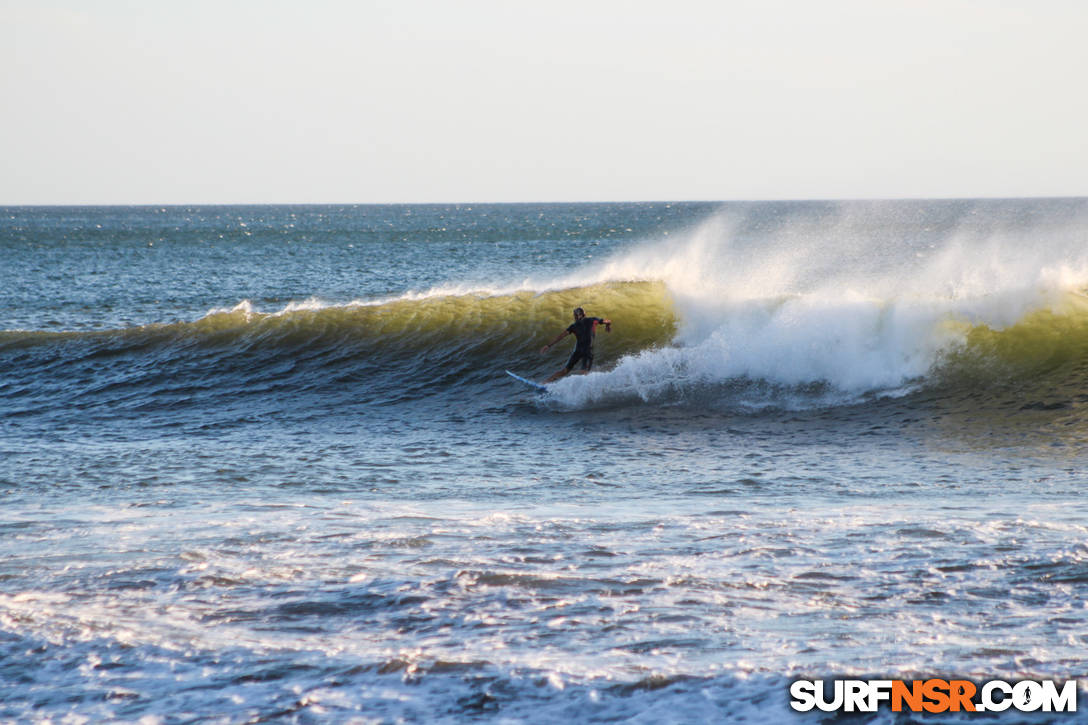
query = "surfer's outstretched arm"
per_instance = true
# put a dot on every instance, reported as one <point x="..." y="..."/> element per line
<point x="558" y="337"/>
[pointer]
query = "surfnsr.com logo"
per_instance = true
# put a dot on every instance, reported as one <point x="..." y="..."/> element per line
<point x="933" y="695"/>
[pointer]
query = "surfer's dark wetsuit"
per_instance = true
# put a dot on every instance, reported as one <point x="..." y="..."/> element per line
<point x="584" y="329"/>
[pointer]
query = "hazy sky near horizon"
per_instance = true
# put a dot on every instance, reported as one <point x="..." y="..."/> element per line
<point x="248" y="101"/>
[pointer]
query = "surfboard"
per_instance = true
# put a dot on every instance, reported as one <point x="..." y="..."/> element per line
<point x="535" y="386"/>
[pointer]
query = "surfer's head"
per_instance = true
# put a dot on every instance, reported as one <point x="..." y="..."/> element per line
<point x="579" y="313"/>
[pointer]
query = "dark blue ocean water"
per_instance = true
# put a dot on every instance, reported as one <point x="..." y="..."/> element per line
<point x="263" y="463"/>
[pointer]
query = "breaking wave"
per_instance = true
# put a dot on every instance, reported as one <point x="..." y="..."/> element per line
<point x="819" y="308"/>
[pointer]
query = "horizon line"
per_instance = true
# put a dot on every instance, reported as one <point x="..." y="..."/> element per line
<point x="786" y="200"/>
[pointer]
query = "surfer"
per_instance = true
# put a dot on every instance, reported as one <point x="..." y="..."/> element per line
<point x="583" y="329"/>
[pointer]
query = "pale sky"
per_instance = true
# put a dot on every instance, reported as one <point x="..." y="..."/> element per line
<point x="257" y="101"/>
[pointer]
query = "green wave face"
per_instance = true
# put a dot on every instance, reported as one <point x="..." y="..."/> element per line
<point x="471" y="328"/>
<point x="431" y="335"/>
<point x="1047" y="345"/>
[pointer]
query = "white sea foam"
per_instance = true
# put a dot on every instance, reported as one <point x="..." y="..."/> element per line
<point x="688" y="615"/>
<point x="834" y="301"/>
